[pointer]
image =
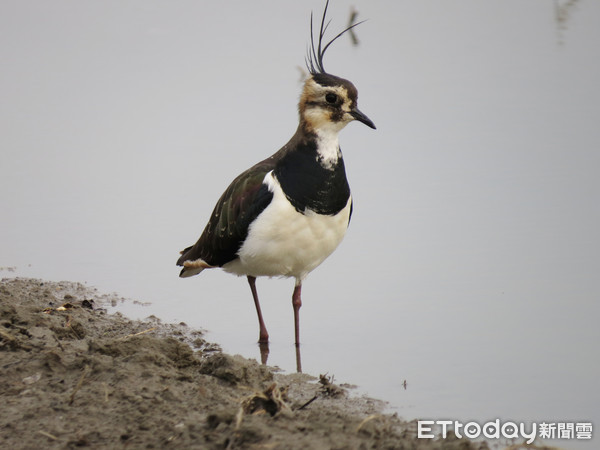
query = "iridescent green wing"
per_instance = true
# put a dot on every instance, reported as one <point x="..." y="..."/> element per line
<point x="244" y="199"/>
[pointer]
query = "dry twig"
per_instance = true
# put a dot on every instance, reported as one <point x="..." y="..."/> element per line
<point x="367" y="420"/>
<point x="6" y="335"/>
<point x="79" y="384"/>
<point x="137" y="334"/>
<point x="48" y="435"/>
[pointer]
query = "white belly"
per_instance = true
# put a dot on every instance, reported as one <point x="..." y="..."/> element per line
<point x="283" y="242"/>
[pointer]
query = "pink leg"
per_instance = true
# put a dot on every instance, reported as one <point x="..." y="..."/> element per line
<point x="297" y="303"/>
<point x="263" y="336"/>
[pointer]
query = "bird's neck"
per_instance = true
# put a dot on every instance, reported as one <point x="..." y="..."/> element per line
<point x="310" y="170"/>
<point x="326" y="143"/>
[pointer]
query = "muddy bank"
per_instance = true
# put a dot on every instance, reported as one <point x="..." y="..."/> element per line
<point x="75" y="376"/>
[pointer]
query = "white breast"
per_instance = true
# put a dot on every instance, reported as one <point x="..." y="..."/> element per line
<point x="283" y="242"/>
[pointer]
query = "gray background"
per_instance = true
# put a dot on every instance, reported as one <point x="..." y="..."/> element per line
<point x="471" y="265"/>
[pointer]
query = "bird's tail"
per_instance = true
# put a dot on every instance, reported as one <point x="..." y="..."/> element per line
<point x="189" y="272"/>
<point x="190" y="267"/>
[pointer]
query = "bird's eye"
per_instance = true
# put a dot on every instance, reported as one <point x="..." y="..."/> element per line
<point x="331" y="98"/>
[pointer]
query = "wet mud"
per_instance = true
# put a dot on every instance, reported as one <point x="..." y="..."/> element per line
<point x="75" y="376"/>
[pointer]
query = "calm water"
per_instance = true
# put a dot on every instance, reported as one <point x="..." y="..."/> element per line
<point x="471" y="265"/>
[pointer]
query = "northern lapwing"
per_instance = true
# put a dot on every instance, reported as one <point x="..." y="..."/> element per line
<point x="286" y="214"/>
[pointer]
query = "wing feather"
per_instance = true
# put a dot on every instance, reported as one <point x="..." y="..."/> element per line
<point x="244" y="199"/>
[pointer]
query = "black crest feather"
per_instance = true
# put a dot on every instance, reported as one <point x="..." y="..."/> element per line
<point x="314" y="58"/>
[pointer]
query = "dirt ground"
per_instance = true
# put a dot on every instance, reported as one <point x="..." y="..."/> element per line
<point x="75" y="376"/>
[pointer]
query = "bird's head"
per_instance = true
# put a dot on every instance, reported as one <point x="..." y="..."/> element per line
<point x="328" y="101"/>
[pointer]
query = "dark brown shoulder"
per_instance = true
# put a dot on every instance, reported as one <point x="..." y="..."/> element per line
<point x="244" y="199"/>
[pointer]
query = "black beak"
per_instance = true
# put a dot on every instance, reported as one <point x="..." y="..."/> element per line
<point x="362" y="118"/>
